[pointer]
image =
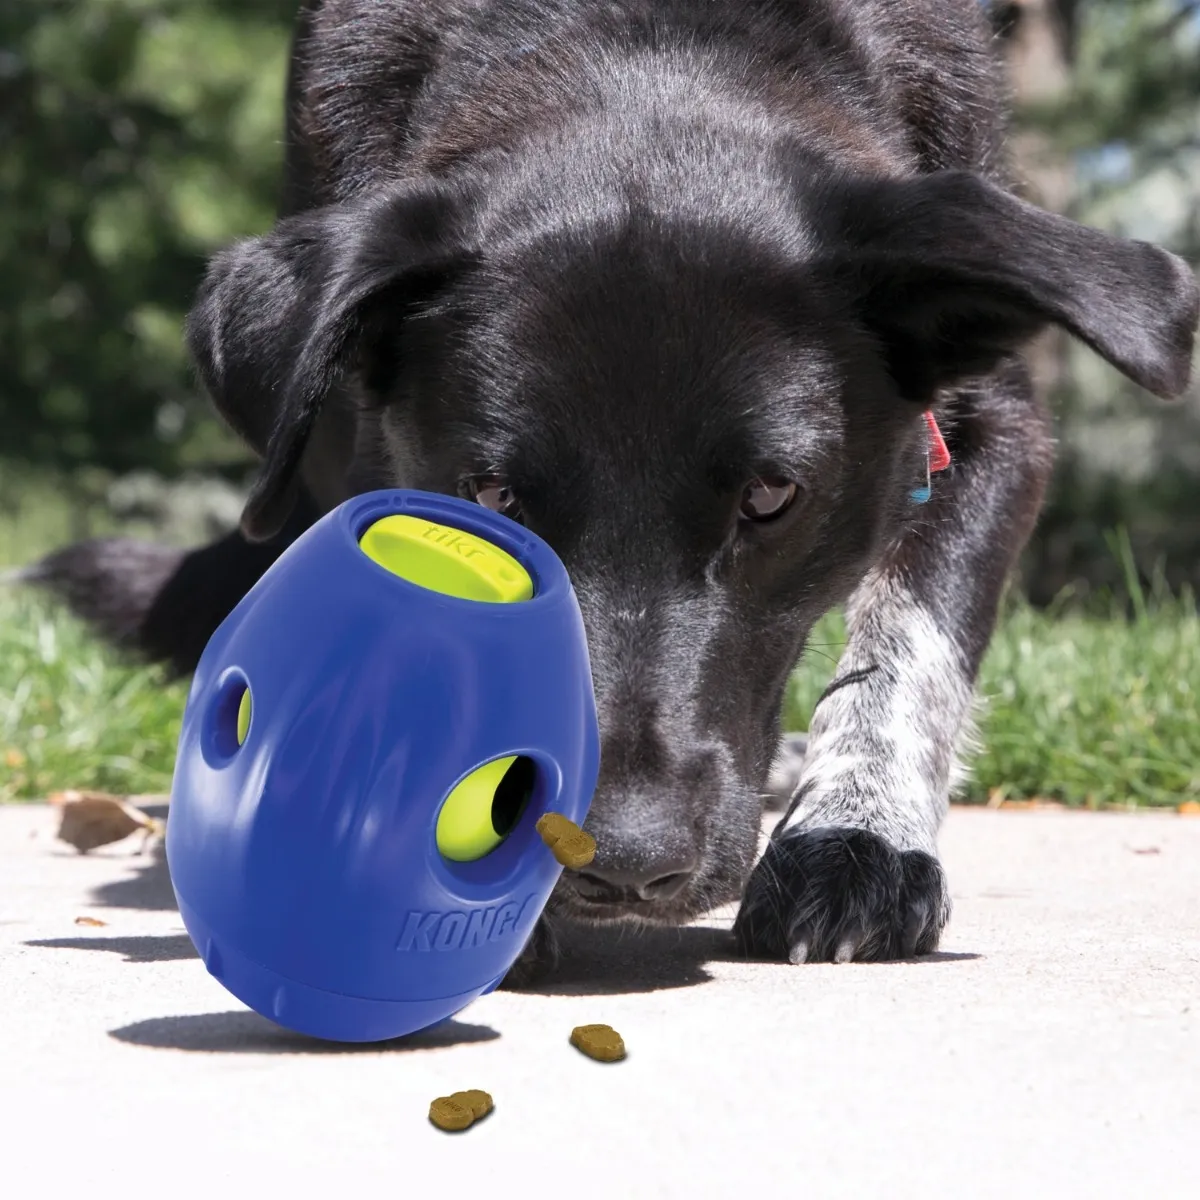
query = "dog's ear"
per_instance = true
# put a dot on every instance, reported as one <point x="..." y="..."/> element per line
<point x="278" y="317"/>
<point x="954" y="273"/>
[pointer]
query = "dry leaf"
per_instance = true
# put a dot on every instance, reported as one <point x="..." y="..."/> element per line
<point x="91" y="819"/>
<point x="89" y="921"/>
<point x="1189" y="808"/>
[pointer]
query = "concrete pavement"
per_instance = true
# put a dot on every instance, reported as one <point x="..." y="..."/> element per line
<point x="1051" y="1048"/>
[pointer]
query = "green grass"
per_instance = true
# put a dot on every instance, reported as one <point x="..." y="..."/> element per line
<point x="39" y="511"/>
<point x="1089" y="708"/>
<point x="73" y="714"/>
<point x="1093" y="710"/>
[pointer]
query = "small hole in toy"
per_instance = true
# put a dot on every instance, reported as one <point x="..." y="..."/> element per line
<point x="243" y="717"/>
<point x="484" y="808"/>
<point x="231" y="717"/>
<point x="512" y="795"/>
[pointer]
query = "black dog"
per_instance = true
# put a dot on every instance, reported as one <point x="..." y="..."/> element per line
<point x="673" y="282"/>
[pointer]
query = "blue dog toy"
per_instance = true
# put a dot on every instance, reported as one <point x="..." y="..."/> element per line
<point x="370" y="738"/>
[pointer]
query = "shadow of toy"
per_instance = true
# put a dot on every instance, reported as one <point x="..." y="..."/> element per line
<point x="245" y="1032"/>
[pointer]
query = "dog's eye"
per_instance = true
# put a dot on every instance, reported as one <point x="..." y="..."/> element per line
<point x="766" y="498"/>
<point x="492" y="492"/>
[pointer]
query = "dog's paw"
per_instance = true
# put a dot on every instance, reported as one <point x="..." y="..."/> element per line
<point x="536" y="960"/>
<point x="841" y="895"/>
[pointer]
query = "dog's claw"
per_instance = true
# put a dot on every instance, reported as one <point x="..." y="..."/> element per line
<point x="846" y="951"/>
<point x="914" y="926"/>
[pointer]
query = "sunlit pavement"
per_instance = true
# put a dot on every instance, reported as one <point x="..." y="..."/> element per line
<point x="1051" y="1048"/>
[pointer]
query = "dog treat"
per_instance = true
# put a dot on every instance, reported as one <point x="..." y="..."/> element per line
<point x="568" y="843"/>
<point x="575" y="850"/>
<point x="450" y="1114"/>
<point x="601" y="1042"/>
<point x="553" y="826"/>
<point x="479" y="1102"/>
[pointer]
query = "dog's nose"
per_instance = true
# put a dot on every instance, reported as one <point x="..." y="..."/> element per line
<point x="614" y="878"/>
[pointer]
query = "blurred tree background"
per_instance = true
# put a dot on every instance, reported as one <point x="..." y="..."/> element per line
<point x="1107" y="130"/>
<point x="137" y="136"/>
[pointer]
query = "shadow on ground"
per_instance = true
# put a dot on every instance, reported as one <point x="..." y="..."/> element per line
<point x="602" y="961"/>
<point x="594" y="961"/>
<point x="140" y="949"/>
<point x="938" y="956"/>
<point x="248" y="1033"/>
<point x="148" y="888"/>
<point x="598" y="961"/>
<point x="603" y="965"/>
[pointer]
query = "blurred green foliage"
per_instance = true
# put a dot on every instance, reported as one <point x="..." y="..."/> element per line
<point x="1129" y="125"/>
<point x="136" y="136"/>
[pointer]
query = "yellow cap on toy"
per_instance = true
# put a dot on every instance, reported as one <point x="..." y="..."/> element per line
<point x="445" y="559"/>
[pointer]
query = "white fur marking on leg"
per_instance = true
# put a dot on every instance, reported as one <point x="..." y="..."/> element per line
<point x="881" y="752"/>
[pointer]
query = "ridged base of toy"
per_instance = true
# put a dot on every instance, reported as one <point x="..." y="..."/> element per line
<point x="331" y="1016"/>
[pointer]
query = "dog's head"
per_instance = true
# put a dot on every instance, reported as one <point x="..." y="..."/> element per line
<point x="712" y="412"/>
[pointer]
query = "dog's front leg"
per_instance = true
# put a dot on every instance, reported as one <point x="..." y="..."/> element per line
<point x="851" y="872"/>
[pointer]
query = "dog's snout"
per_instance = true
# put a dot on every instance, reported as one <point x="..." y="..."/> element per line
<point x="634" y="867"/>
<point x="647" y="817"/>
<point x="615" y="884"/>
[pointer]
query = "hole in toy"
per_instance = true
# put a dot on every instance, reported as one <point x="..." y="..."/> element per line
<point x="484" y="808"/>
<point x="232" y="716"/>
<point x="512" y="795"/>
<point x="243" y="717"/>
